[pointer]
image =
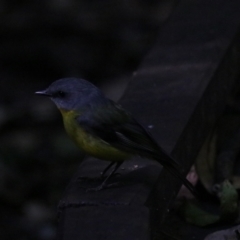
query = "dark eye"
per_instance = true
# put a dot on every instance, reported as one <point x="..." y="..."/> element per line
<point x="61" y="94"/>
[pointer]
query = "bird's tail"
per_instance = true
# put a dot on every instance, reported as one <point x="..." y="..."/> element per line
<point x="172" y="167"/>
<point x="175" y="172"/>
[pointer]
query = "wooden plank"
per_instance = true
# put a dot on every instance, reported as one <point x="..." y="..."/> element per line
<point x="178" y="92"/>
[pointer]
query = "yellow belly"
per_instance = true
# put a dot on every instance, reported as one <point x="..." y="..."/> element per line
<point x="90" y="144"/>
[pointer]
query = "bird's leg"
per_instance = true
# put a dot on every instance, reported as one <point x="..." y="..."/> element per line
<point x="103" y="185"/>
<point x="106" y="169"/>
<point x="118" y="164"/>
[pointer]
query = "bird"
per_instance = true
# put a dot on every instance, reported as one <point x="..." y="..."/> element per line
<point x="103" y="129"/>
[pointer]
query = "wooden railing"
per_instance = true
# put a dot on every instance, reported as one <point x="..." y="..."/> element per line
<point x="178" y="93"/>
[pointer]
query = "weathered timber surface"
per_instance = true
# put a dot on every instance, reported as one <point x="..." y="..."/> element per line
<point x="178" y="92"/>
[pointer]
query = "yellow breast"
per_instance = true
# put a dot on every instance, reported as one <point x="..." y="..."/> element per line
<point x="90" y="144"/>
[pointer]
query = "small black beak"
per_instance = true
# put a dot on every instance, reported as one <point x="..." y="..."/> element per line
<point x="43" y="93"/>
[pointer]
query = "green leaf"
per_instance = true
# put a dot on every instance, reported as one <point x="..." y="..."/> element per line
<point x="228" y="202"/>
<point x="195" y="215"/>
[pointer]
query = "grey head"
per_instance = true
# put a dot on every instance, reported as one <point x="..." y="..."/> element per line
<point x="73" y="93"/>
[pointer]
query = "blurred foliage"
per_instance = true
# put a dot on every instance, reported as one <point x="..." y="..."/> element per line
<point x="217" y="166"/>
<point x="227" y="213"/>
<point x="41" y="41"/>
<point x="218" y="159"/>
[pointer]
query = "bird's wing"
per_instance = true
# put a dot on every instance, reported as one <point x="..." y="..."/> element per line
<point x="114" y="125"/>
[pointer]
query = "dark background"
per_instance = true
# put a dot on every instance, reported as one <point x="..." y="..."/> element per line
<point x="41" y="41"/>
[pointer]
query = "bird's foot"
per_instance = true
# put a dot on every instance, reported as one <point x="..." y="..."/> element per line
<point x="95" y="189"/>
<point x="103" y="176"/>
<point x="103" y="186"/>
